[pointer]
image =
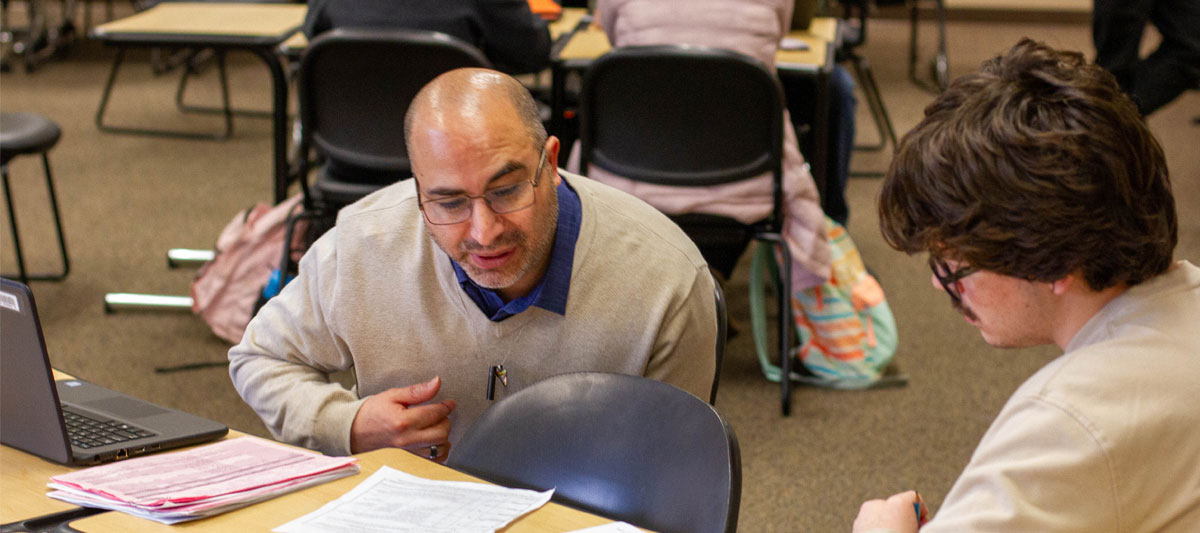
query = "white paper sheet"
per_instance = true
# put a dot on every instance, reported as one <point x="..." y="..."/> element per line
<point x="391" y="501"/>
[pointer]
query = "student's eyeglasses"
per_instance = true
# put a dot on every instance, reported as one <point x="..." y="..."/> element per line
<point x="950" y="280"/>
<point x="501" y="200"/>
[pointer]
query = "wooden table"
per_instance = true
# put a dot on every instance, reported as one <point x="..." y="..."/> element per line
<point x="257" y="28"/>
<point x="23" y="479"/>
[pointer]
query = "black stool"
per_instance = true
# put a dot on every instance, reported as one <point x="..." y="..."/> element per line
<point x="29" y="133"/>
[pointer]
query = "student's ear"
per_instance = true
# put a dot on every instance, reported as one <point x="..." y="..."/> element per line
<point x="1060" y="286"/>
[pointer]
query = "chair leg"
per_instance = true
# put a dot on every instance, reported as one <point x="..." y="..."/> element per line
<point x="784" y="300"/>
<point x="189" y="68"/>
<point x="16" y="234"/>
<point x="112" y="78"/>
<point x="24" y="275"/>
<point x="866" y="78"/>
<point x="940" y="65"/>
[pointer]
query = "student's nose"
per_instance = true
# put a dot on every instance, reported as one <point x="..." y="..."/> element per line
<point x="936" y="284"/>
<point x="485" y="223"/>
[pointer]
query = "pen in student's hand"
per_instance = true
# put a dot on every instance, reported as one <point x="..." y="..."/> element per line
<point x="921" y="510"/>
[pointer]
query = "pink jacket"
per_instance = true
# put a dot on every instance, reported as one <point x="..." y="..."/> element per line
<point x="754" y="28"/>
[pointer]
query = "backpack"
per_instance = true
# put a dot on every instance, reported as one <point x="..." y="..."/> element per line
<point x="845" y="329"/>
<point x="228" y="290"/>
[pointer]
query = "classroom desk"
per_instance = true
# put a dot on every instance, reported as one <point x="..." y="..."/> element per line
<point x="257" y="28"/>
<point x="23" y="479"/>
<point x="588" y="43"/>
<point x="566" y="23"/>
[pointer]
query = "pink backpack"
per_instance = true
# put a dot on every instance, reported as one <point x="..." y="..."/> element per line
<point x="227" y="288"/>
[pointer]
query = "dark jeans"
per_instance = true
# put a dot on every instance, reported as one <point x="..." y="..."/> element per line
<point x="800" y="94"/>
<point x="1152" y="82"/>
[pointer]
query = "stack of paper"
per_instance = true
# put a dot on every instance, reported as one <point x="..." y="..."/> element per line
<point x="201" y="481"/>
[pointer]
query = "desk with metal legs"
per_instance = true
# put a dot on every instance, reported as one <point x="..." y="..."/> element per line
<point x="256" y="28"/>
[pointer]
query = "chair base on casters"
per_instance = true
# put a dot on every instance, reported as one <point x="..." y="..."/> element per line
<point x="176" y="257"/>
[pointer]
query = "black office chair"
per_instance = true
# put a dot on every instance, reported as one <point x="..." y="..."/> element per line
<point x="693" y="116"/>
<point x="625" y="447"/>
<point x="355" y="86"/>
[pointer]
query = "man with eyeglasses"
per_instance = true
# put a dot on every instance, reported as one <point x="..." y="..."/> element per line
<point x="1045" y="205"/>
<point x="487" y="272"/>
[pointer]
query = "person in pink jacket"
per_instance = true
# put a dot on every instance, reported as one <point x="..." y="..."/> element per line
<point x="754" y="28"/>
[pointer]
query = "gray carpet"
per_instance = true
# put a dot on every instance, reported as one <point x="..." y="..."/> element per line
<point x="128" y="199"/>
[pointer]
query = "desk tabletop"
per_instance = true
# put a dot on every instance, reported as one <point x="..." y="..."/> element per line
<point x="228" y="19"/>
<point x="23" y="479"/>
<point x="563" y="25"/>
<point x="591" y="42"/>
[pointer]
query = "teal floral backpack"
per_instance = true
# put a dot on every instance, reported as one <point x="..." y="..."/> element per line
<point x="845" y="330"/>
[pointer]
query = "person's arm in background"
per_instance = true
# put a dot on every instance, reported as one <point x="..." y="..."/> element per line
<point x="282" y="369"/>
<point x="315" y="20"/>
<point x="514" y="39"/>
<point x="605" y="16"/>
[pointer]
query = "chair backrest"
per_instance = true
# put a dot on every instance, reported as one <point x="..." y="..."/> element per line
<point x="682" y="115"/>
<point x="625" y="447"/>
<point x="355" y="86"/>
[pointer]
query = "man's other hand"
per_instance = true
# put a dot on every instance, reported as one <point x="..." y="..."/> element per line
<point x="896" y="514"/>
<point x="395" y="418"/>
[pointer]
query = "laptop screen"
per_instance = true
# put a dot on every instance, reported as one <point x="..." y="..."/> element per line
<point x="30" y="419"/>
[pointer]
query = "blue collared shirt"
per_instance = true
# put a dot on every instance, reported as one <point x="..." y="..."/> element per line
<point x="551" y="293"/>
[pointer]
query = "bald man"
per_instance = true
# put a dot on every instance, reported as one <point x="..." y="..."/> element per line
<point x="491" y="270"/>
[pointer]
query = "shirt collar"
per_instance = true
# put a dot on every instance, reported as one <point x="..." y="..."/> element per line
<point x="551" y="293"/>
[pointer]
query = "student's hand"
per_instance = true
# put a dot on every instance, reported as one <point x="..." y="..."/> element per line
<point x="896" y="514"/>
<point x="394" y="418"/>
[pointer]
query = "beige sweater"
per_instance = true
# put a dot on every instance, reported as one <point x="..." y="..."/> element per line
<point x="377" y="295"/>
<point x="1106" y="438"/>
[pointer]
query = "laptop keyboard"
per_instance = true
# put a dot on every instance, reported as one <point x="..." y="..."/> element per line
<point x="87" y="432"/>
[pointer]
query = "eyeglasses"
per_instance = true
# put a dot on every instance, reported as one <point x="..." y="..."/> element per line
<point x="501" y="200"/>
<point x="950" y="280"/>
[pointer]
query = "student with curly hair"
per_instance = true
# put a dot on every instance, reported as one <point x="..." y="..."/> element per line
<point x="1046" y="209"/>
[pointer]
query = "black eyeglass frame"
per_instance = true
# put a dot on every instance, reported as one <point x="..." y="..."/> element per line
<point x="950" y="280"/>
<point x="537" y="176"/>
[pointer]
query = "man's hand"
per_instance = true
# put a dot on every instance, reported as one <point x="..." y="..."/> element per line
<point x="897" y="514"/>
<point x="393" y="419"/>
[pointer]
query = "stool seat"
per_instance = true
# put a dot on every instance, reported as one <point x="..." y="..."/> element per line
<point x="26" y="133"/>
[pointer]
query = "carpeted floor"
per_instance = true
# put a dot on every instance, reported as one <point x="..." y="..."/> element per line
<point x="128" y="199"/>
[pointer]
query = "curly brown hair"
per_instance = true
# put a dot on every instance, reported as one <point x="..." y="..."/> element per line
<point x="1036" y="166"/>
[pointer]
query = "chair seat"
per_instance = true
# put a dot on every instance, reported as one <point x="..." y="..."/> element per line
<point x="26" y="133"/>
<point x="331" y="191"/>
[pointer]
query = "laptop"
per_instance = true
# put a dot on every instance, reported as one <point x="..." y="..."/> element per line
<point x="72" y="421"/>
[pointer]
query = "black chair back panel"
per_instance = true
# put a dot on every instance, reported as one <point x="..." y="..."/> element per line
<point x="683" y="95"/>
<point x="355" y="87"/>
<point x="621" y="446"/>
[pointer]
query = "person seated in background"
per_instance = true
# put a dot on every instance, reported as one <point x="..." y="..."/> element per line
<point x="489" y="263"/>
<point x="1045" y="205"/>
<point x="514" y="39"/>
<point x="753" y="28"/>
<point x="1173" y="67"/>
